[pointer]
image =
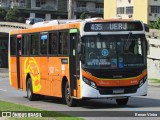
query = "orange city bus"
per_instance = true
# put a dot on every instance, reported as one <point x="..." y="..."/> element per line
<point x="80" y="59"/>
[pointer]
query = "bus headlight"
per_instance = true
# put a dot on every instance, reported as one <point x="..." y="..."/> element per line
<point x="90" y="83"/>
<point x="142" y="81"/>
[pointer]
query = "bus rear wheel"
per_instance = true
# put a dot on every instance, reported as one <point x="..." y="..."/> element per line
<point x="123" y="101"/>
<point x="30" y="95"/>
<point x="1" y="63"/>
<point x="68" y="99"/>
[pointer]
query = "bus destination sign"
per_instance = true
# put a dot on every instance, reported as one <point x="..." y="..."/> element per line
<point x="113" y="26"/>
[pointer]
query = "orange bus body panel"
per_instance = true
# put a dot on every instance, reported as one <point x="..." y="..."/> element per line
<point x="78" y="89"/>
<point x="13" y="65"/>
<point x="115" y="82"/>
<point x="46" y="74"/>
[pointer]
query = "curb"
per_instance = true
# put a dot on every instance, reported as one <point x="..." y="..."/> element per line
<point x="4" y="72"/>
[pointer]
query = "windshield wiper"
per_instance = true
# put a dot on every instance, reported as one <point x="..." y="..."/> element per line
<point x="126" y="44"/>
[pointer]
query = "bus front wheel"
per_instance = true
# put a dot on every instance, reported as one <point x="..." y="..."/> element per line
<point x="123" y="101"/>
<point x="68" y="99"/>
<point x="30" y="95"/>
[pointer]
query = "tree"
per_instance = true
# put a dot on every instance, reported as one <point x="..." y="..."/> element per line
<point x="156" y="24"/>
<point x="83" y="16"/>
<point x="13" y="15"/>
<point x="2" y="14"/>
<point x="71" y="9"/>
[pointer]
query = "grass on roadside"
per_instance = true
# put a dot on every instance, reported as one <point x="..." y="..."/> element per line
<point x="7" y="106"/>
<point x="157" y="81"/>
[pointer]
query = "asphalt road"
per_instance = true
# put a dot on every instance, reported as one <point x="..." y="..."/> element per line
<point x="145" y="103"/>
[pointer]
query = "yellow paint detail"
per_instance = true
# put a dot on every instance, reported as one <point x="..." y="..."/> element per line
<point x="9" y="65"/>
<point x="10" y="33"/>
<point x="31" y="66"/>
<point x="10" y="80"/>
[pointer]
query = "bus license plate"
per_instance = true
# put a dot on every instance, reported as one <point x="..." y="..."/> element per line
<point x="118" y="91"/>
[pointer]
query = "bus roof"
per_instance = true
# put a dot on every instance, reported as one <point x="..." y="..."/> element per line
<point x="114" y="20"/>
<point x="46" y="28"/>
<point x="63" y="24"/>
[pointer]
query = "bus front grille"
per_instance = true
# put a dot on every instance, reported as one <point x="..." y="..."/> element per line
<point x="117" y="90"/>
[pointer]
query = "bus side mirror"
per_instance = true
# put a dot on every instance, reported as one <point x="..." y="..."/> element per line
<point x="147" y="47"/>
<point x="81" y="51"/>
<point x="146" y="28"/>
<point x="80" y="48"/>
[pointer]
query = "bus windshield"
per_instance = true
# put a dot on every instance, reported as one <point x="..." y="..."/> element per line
<point x="114" y="51"/>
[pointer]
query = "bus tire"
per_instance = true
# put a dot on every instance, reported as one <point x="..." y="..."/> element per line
<point x="123" y="101"/>
<point x="30" y="95"/>
<point x="71" y="102"/>
<point x="1" y="63"/>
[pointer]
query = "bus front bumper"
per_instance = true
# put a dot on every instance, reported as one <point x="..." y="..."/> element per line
<point x="89" y="92"/>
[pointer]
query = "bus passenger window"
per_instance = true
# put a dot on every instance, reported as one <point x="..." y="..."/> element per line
<point x="13" y="46"/>
<point x="25" y="45"/>
<point x="43" y="44"/>
<point x="53" y="46"/>
<point x="63" y="43"/>
<point x="34" y="44"/>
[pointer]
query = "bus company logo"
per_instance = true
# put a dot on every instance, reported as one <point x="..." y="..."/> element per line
<point x="6" y="114"/>
<point x="31" y="66"/>
<point x="21" y="114"/>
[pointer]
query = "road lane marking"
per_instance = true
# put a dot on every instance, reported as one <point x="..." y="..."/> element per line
<point x="3" y="90"/>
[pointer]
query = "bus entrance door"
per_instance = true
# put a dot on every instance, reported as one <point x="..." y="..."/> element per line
<point x="18" y="63"/>
<point x="73" y="66"/>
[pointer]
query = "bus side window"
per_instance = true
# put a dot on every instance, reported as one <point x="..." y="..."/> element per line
<point x="13" y="45"/>
<point x="34" y="44"/>
<point x="53" y="43"/>
<point x="43" y="44"/>
<point x="63" y="43"/>
<point x="25" y="45"/>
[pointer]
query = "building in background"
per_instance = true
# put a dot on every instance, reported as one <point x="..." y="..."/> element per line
<point x="125" y="8"/>
<point x="46" y="9"/>
<point x="54" y="9"/>
<point x="110" y="8"/>
<point x="145" y="10"/>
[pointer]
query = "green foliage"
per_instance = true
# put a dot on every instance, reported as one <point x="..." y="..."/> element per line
<point x="12" y="15"/>
<point x="83" y="16"/>
<point x="156" y="24"/>
<point x="2" y="14"/>
<point x="7" y="106"/>
<point x="20" y="19"/>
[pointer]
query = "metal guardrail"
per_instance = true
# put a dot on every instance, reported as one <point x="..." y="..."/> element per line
<point x="153" y="33"/>
<point x="153" y="58"/>
<point x="15" y="25"/>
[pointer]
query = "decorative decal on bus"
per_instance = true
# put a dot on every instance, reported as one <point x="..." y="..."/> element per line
<point x="31" y="66"/>
<point x="105" y="52"/>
